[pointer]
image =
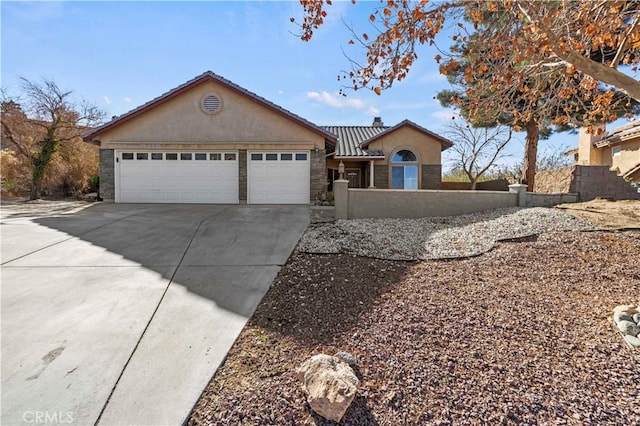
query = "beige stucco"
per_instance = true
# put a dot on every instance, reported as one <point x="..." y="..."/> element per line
<point x="629" y="156"/>
<point x="427" y="149"/>
<point x="242" y="123"/>
<point x="424" y="146"/>
<point x="589" y="154"/>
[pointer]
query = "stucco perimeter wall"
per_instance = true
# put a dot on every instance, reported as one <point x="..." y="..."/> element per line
<point x="549" y="200"/>
<point x="381" y="203"/>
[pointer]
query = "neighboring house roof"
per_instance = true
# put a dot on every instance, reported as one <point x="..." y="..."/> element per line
<point x="619" y="135"/>
<point x="632" y="171"/>
<point x="207" y="76"/>
<point x="353" y="141"/>
<point x="351" y="137"/>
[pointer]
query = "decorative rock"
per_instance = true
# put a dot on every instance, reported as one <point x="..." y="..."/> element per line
<point x="633" y="341"/>
<point x="621" y="316"/>
<point x="628" y="327"/>
<point x="624" y="308"/>
<point x="330" y="384"/>
<point x="347" y="358"/>
<point x="636" y="318"/>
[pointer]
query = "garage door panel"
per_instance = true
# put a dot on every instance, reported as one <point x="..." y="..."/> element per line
<point x="281" y="181"/>
<point x="178" y="181"/>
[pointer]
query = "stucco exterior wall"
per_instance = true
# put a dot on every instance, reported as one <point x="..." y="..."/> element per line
<point x="587" y="152"/>
<point x="242" y="124"/>
<point x="107" y="175"/>
<point x="629" y="156"/>
<point x="426" y="148"/>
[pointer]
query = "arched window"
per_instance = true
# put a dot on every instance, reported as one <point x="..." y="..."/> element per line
<point x="404" y="170"/>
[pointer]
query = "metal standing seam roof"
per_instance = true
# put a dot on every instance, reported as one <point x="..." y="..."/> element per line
<point x="351" y="137"/>
<point x="206" y="76"/>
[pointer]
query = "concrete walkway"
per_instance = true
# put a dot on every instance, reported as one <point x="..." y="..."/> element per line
<point x="120" y="314"/>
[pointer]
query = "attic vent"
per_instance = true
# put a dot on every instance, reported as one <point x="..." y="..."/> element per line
<point x="211" y="104"/>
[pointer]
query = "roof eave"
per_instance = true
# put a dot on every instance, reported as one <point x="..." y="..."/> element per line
<point x="443" y="141"/>
<point x="357" y="157"/>
<point x="207" y="76"/>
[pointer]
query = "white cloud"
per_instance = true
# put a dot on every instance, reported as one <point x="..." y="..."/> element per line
<point x="373" y="111"/>
<point x="336" y="100"/>
<point x="280" y="92"/>
<point x="107" y="100"/>
<point x="126" y="99"/>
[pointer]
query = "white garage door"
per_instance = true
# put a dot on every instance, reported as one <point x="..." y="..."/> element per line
<point x="278" y="177"/>
<point x="177" y="177"/>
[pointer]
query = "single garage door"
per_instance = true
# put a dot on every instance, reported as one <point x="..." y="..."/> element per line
<point x="177" y="177"/>
<point x="278" y="177"/>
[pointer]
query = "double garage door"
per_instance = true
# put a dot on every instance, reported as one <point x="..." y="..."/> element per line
<point x="211" y="177"/>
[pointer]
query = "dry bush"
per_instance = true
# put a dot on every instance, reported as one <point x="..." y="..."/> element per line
<point x="69" y="173"/>
<point x="16" y="172"/>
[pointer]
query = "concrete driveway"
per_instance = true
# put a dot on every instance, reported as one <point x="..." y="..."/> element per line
<point x="120" y="314"/>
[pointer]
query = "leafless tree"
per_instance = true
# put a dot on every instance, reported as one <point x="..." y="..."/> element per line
<point x="476" y="149"/>
<point x="45" y="119"/>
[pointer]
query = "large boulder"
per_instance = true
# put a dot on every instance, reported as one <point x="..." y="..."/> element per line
<point x="330" y="385"/>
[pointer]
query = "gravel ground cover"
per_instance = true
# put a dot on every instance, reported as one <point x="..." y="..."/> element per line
<point x="519" y="335"/>
<point x="435" y="238"/>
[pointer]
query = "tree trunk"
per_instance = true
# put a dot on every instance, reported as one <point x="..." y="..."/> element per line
<point x="39" y="165"/>
<point x="474" y="183"/>
<point x="530" y="154"/>
<point x="36" y="189"/>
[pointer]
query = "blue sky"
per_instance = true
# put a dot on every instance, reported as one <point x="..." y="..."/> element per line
<point x="120" y="55"/>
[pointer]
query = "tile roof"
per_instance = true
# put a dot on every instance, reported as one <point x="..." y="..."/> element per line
<point x="353" y="140"/>
<point x="206" y="76"/>
<point x="620" y="134"/>
<point x="351" y="137"/>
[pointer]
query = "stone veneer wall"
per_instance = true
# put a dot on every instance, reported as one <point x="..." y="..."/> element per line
<point x="318" y="175"/>
<point x="381" y="177"/>
<point x="107" y="175"/>
<point x="242" y="175"/>
<point x="554" y="181"/>
<point x="431" y="176"/>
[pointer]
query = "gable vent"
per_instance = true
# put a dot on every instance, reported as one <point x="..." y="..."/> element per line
<point x="211" y="104"/>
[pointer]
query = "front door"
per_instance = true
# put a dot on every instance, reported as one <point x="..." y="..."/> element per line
<point x="354" y="176"/>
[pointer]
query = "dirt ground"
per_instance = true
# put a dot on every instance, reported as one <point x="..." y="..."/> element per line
<point x="519" y="335"/>
<point x="607" y="214"/>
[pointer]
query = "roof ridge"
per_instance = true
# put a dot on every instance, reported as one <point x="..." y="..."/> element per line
<point x="196" y="80"/>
